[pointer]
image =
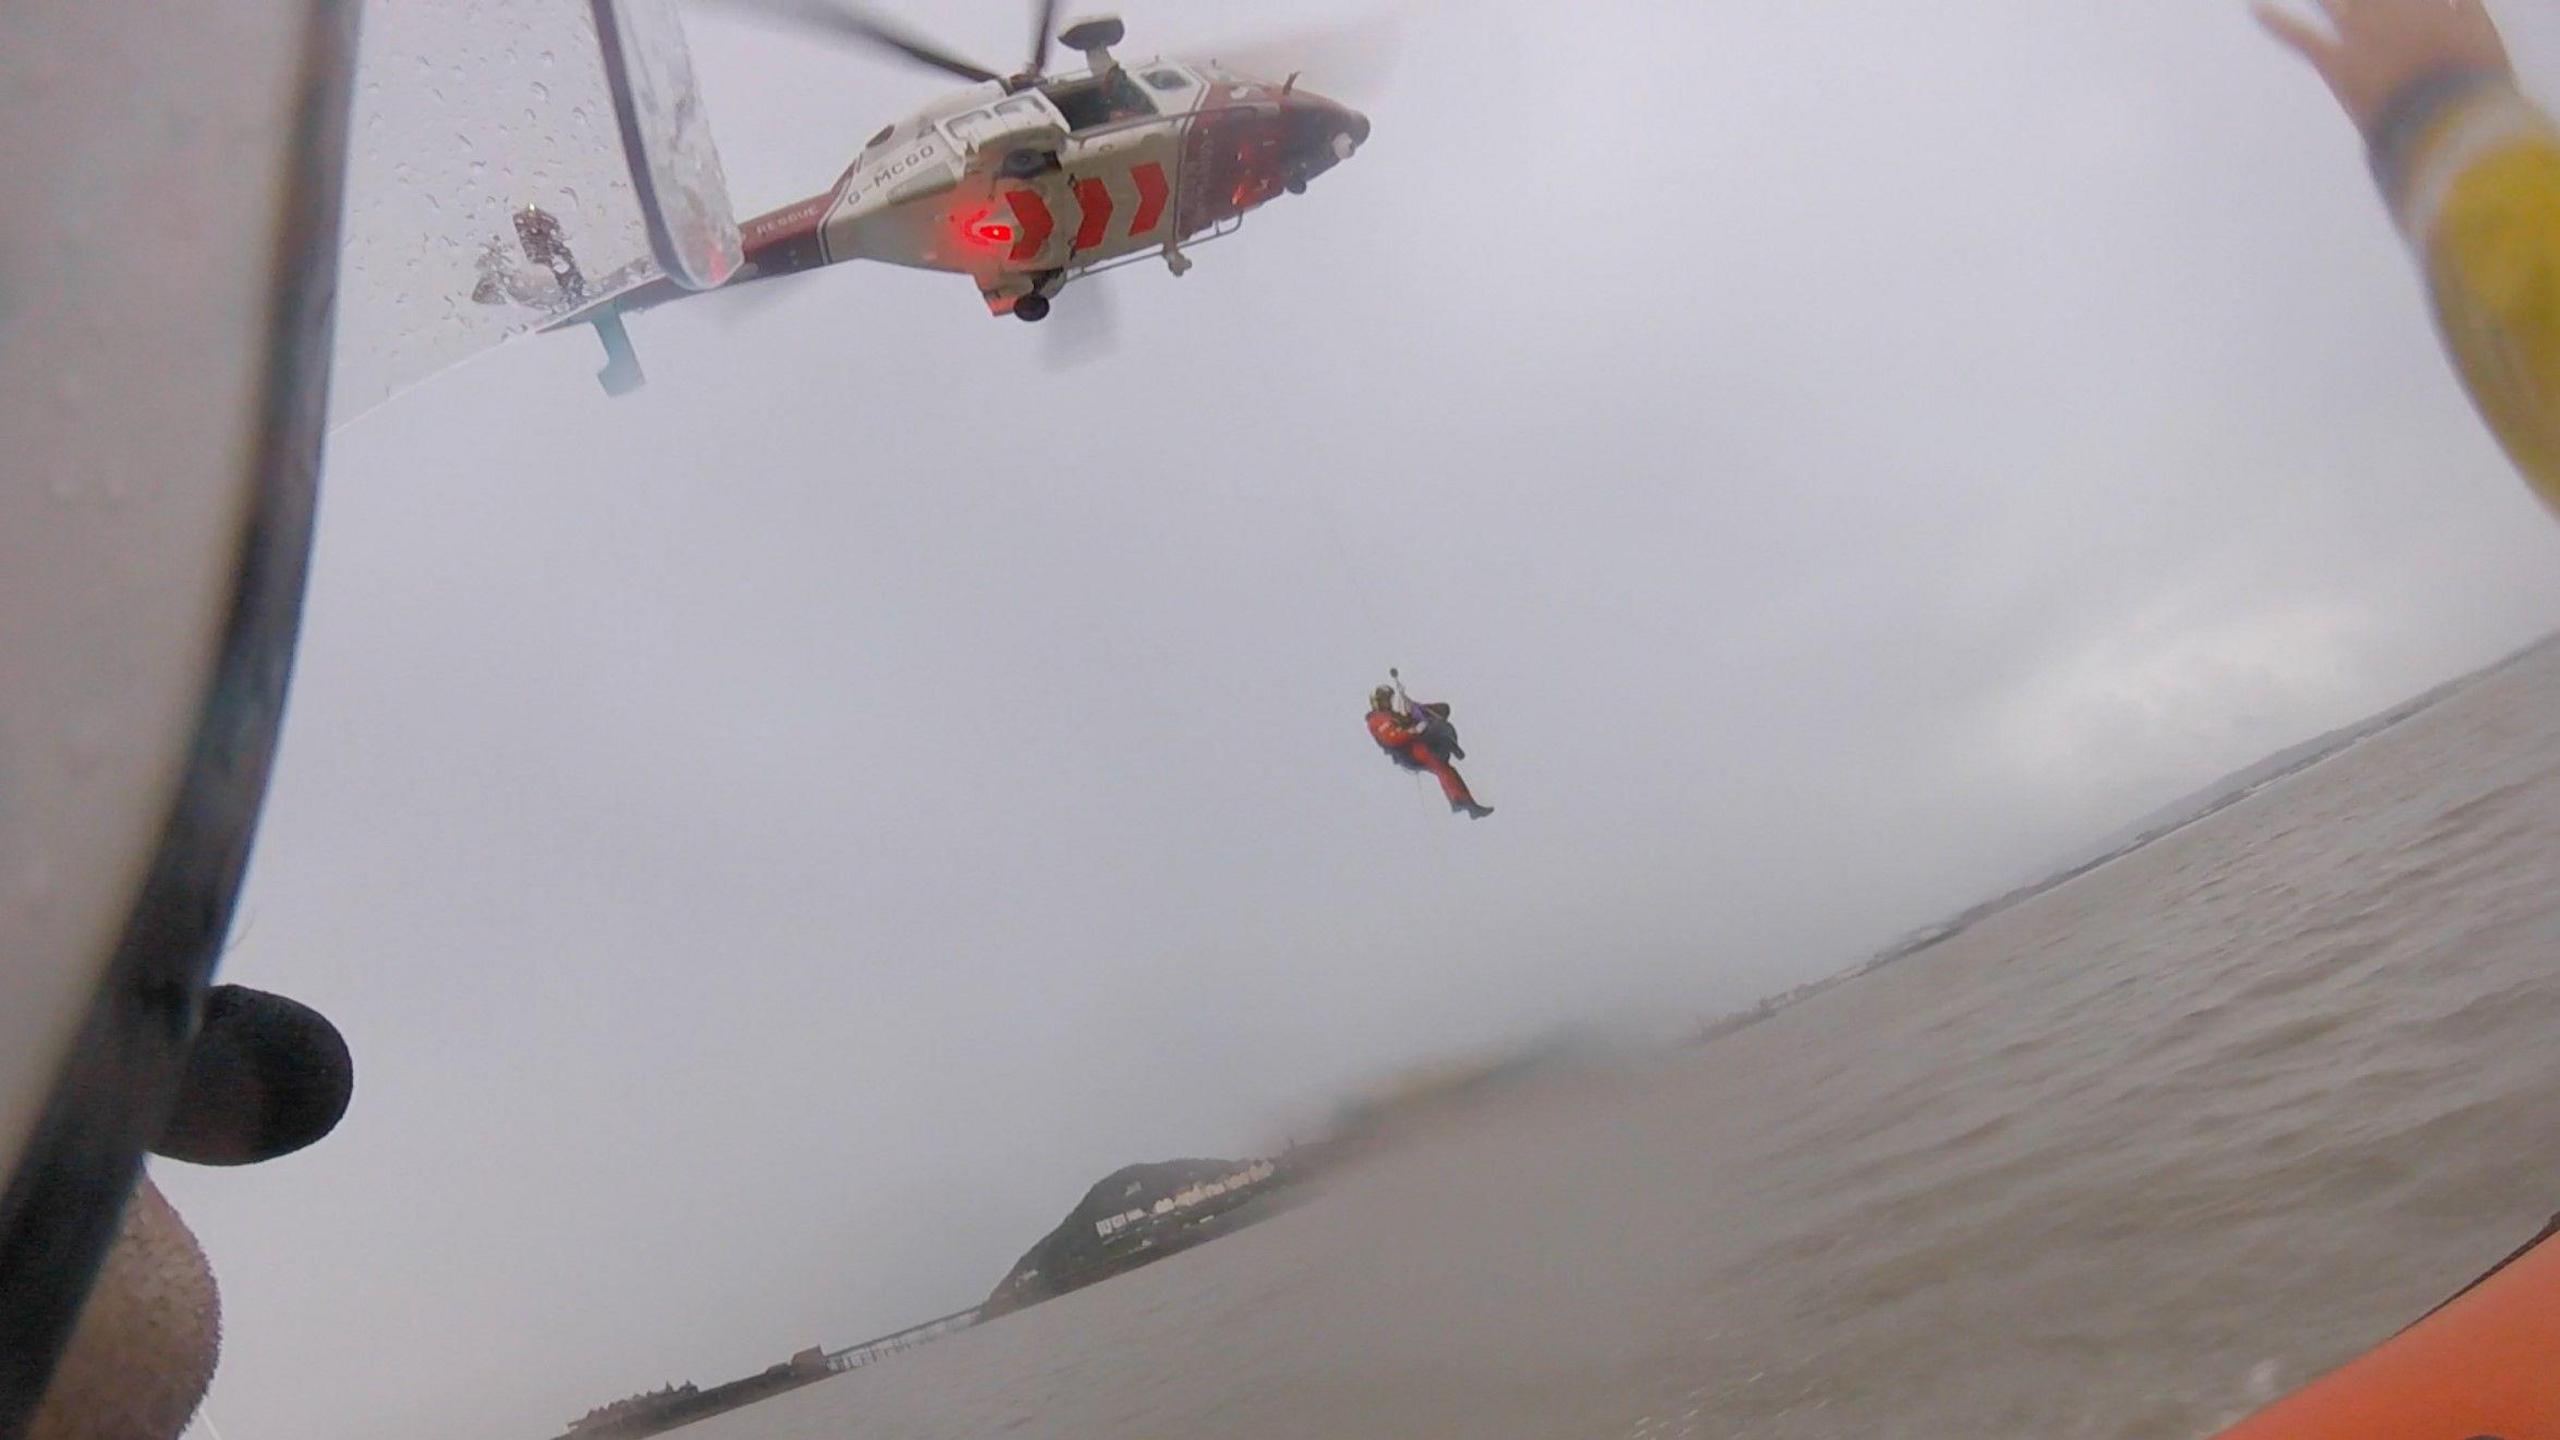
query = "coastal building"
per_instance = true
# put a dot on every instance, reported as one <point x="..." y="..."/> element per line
<point x="1185" y="1198"/>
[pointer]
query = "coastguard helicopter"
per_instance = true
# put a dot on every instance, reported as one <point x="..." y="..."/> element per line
<point x="1022" y="182"/>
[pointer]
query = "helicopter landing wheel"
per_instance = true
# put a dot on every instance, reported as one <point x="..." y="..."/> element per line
<point x="1296" y="185"/>
<point x="1031" y="307"/>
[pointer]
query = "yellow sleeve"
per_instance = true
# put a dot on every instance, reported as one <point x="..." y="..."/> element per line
<point x="2479" y="198"/>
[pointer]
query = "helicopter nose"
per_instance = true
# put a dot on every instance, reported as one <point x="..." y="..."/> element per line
<point x="1346" y="121"/>
<point x="1322" y="134"/>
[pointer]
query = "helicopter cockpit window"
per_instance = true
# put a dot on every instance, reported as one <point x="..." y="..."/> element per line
<point x="1090" y="104"/>
<point x="1005" y="118"/>
<point x="1168" y="80"/>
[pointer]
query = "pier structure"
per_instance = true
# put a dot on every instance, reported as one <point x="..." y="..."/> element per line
<point x="854" y="1357"/>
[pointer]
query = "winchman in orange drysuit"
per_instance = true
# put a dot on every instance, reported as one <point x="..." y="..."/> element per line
<point x="1422" y="741"/>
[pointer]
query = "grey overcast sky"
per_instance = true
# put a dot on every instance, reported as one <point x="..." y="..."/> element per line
<point x="772" y="841"/>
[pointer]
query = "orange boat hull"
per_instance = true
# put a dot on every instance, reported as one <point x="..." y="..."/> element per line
<point x="2485" y="1364"/>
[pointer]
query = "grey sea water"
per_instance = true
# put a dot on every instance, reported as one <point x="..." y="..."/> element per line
<point x="2118" y="1162"/>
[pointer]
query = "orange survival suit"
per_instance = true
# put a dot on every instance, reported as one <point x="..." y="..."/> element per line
<point x="1412" y="744"/>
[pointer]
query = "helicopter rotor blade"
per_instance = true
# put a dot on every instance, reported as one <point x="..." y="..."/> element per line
<point x="841" y="21"/>
<point x="1349" y="61"/>
<point x="1082" y="328"/>
<point x="1044" y="20"/>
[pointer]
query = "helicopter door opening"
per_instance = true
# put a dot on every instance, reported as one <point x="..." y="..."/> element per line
<point x="1092" y="104"/>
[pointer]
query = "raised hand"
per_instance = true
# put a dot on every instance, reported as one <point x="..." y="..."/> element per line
<point x="2373" y="50"/>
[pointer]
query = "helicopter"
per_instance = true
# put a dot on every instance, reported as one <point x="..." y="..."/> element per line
<point x="1022" y="182"/>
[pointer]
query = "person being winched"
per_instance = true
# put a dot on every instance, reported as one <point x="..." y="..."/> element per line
<point x="1419" y="737"/>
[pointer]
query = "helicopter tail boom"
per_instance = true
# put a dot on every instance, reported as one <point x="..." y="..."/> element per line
<point x="779" y="242"/>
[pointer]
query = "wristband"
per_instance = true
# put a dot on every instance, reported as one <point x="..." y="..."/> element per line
<point x="2403" y="121"/>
